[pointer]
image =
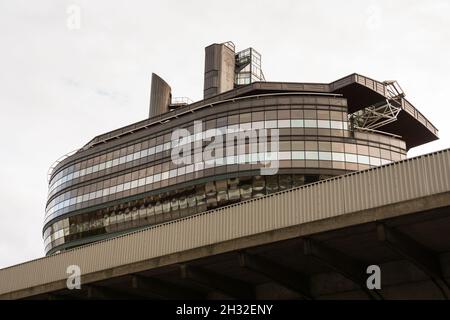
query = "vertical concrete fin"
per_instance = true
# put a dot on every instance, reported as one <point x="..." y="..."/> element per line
<point x="160" y="96"/>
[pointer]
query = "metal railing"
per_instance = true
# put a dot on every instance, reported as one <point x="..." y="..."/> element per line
<point x="181" y="101"/>
<point x="60" y="159"/>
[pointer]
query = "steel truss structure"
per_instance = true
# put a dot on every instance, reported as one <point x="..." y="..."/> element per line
<point x="380" y="114"/>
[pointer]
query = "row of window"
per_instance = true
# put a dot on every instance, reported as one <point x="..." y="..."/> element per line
<point x="219" y="122"/>
<point x="179" y="204"/>
<point x="311" y="148"/>
<point x="269" y="124"/>
<point x="271" y="158"/>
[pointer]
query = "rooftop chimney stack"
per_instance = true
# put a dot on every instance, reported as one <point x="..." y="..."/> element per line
<point x="219" y="69"/>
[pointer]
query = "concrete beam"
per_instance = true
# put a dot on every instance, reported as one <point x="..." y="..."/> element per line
<point x="415" y="253"/>
<point x="96" y="292"/>
<point x="53" y="296"/>
<point x="154" y="288"/>
<point x="229" y="286"/>
<point x="341" y="263"/>
<point x="280" y="274"/>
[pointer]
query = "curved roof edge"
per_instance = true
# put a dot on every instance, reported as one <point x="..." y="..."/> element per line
<point x="360" y="92"/>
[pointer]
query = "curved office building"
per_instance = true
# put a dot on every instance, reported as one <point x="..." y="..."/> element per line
<point x="266" y="137"/>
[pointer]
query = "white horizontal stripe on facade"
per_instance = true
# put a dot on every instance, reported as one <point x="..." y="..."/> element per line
<point x="270" y="124"/>
<point x="241" y="159"/>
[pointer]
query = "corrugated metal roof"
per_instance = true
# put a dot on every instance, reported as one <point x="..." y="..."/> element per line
<point x="394" y="183"/>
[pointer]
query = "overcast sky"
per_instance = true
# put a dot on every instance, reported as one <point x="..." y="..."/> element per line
<point x="60" y="86"/>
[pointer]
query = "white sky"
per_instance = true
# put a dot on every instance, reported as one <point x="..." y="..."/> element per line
<point x="60" y="87"/>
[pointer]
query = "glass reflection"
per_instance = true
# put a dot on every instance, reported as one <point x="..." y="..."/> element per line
<point x="166" y="207"/>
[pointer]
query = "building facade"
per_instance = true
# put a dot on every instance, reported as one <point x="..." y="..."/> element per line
<point x="127" y="179"/>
